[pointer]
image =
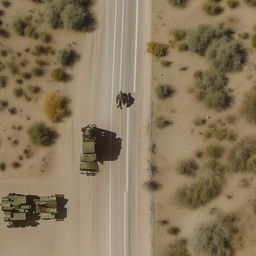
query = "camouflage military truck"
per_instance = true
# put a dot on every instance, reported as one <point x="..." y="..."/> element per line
<point x="88" y="158"/>
<point x="26" y="210"/>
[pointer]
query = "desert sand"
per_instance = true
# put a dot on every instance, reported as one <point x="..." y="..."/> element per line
<point x="182" y="139"/>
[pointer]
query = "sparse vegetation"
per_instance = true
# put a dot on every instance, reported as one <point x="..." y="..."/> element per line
<point x="248" y="107"/>
<point x="18" y="92"/>
<point x="212" y="8"/>
<point x="199" y="121"/>
<point x="187" y="167"/>
<point x="216" y="237"/>
<point x="166" y="63"/>
<point x="242" y="156"/>
<point x="3" y="81"/>
<point x="158" y="49"/>
<point x="254" y="40"/>
<point x="178" y="248"/>
<point x="40" y="134"/>
<point x="37" y="71"/>
<point x="153" y="185"/>
<point x="2" y="166"/>
<point x="162" y="122"/>
<point x="214" y="151"/>
<point x="204" y="189"/>
<point x="70" y="14"/>
<point x="174" y="230"/>
<point x="233" y="3"/>
<point x="178" y="3"/>
<point x="56" y="107"/>
<point x="164" y="91"/>
<point x="251" y="2"/>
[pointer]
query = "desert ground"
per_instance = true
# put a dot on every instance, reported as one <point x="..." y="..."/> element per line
<point x="97" y="221"/>
<point x="176" y="225"/>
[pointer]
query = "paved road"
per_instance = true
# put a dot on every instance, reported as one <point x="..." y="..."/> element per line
<point x="109" y="202"/>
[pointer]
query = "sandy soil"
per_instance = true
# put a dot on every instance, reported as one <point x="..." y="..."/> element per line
<point x="49" y="170"/>
<point x="182" y="139"/>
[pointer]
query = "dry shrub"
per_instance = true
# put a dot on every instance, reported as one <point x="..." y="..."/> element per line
<point x="242" y="156"/>
<point x="56" y="107"/>
<point x="40" y="134"/>
<point x="211" y="88"/>
<point x="178" y="248"/>
<point x="200" y="38"/>
<point x="187" y="167"/>
<point x="248" y="107"/>
<point x="214" y="151"/>
<point x="204" y="189"/>
<point x="178" y="3"/>
<point x="216" y="237"/>
<point x="157" y="49"/>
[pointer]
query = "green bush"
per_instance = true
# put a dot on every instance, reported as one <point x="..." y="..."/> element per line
<point x="40" y="134"/>
<point x="66" y="57"/>
<point x="53" y="13"/>
<point x="248" y="106"/>
<point x="76" y="18"/>
<point x="178" y="248"/>
<point x="251" y="2"/>
<point x="254" y="40"/>
<point x="178" y="3"/>
<point x="164" y="91"/>
<point x="204" y="189"/>
<point x="200" y="38"/>
<point x="242" y="156"/>
<point x="216" y="237"/>
<point x="59" y="75"/>
<point x="233" y="3"/>
<point x="211" y="89"/>
<point x="226" y="55"/>
<point x="19" y="26"/>
<point x="212" y="8"/>
<point x="214" y="151"/>
<point x="162" y="122"/>
<point x="187" y="167"/>
<point x="157" y="49"/>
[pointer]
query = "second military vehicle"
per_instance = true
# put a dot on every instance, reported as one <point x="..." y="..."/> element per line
<point x="88" y="159"/>
<point x="26" y="210"/>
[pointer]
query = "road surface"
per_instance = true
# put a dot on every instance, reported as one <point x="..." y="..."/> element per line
<point x="111" y="221"/>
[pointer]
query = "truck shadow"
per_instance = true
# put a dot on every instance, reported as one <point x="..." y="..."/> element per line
<point x="108" y="146"/>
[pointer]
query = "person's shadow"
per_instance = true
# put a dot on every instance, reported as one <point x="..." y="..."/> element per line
<point x="108" y="146"/>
